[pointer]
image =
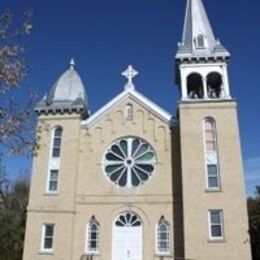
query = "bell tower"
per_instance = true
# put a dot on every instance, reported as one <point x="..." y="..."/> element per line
<point x="215" y="220"/>
<point x="201" y="59"/>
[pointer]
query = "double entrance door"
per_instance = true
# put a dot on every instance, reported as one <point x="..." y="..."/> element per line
<point x="127" y="238"/>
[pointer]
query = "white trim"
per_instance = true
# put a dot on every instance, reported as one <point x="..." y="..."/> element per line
<point x="122" y="96"/>
<point x="156" y="240"/>
<point x="211" y="238"/>
<point x="42" y="249"/>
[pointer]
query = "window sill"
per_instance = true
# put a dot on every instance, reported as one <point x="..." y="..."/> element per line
<point x="213" y="190"/>
<point x="167" y="254"/>
<point x="51" y="193"/>
<point x="217" y="240"/>
<point x="92" y="254"/>
<point x="43" y="252"/>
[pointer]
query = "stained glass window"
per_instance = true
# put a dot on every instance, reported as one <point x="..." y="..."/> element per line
<point x="93" y="236"/>
<point x="129" y="162"/>
<point x="163" y="237"/>
<point x="128" y="219"/>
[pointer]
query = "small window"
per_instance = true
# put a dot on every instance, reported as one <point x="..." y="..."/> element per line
<point x="129" y="114"/>
<point x="200" y="41"/>
<point x="213" y="180"/>
<point x="56" y="143"/>
<point x="163" y="237"/>
<point x="47" y="237"/>
<point x="53" y="181"/>
<point x="93" y="233"/>
<point x="216" y="224"/>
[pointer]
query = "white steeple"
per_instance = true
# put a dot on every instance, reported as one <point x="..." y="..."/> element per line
<point x="198" y="39"/>
<point x="201" y="61"/>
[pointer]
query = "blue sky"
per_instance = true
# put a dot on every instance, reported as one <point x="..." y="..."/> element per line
<point x="106" y="36"/>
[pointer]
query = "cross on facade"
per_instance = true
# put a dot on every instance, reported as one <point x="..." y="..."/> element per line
<point x="130" y="73"/>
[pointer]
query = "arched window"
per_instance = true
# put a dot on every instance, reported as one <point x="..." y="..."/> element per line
<point x="200" y="41"/>
<point x="214" y="85"/>
<point x="129" y="113"/>
<point x="163" y="237"/>
<point x="211" y="153"/>
<point x="210" y="135"/>
<point x="56" y="142"/>
<point x="195" y="86"/>
<point x="93" y="234"/>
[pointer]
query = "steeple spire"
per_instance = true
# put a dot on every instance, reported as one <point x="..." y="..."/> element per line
<point x="201" y="61"/>
<point x="198" y="39"/>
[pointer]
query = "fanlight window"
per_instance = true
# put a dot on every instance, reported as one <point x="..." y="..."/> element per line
<point x="93" y="236"/>
<point x="163" y="237"/>
<point x="56" y="142"/>
<point x="128" y="219"/>
<point x="129" y="162"/>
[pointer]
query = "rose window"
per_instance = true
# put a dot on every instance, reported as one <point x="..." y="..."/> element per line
<point x="129" y="162"/>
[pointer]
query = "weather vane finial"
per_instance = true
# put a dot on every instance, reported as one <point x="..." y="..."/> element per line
<point x="130" y="73"/>
<point x="72" y="63"/>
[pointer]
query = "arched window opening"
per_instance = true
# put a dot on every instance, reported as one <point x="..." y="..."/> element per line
<point x="163" y="237"/>
<point x="129" y="113"/>
<point x="195" y="86"/>
<point x="93" y="235"/>
<point x="210" y="135"/>
<point x="211" y="150"/>
<point x="214" y="85"/>
<point x="56" y="142"/>
<point x="200" y="41"/>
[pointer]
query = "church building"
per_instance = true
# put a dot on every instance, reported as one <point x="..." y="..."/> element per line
<point x="134" y="182"/>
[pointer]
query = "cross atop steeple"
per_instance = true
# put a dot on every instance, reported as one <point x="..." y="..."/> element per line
<point x="130" y="73"/>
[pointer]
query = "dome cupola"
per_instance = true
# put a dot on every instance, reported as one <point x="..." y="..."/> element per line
<point x="66" y="95"/>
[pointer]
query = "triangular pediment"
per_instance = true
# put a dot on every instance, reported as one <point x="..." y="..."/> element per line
<point x="135" y="96"/>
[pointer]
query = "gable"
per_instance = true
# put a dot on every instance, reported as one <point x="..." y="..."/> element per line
<point x="130" y="95"/>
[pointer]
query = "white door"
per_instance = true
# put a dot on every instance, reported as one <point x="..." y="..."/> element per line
<point x="127" y="238"/>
